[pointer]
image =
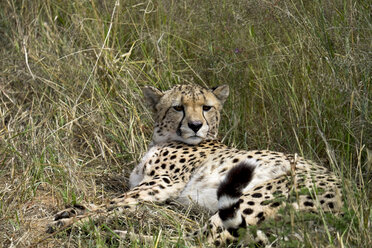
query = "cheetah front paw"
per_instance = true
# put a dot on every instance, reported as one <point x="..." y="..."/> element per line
<point x="69" y="216"/>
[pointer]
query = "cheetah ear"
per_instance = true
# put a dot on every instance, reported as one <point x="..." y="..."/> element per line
<point x="152" y="96"/>
<point x="221" y="92"/>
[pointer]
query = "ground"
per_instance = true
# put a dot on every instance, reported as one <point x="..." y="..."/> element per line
<point x="72" y="116"/>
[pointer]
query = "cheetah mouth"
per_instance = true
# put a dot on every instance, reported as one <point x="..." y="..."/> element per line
<point x="195" y="136"/>
<point x="193" y="140"/>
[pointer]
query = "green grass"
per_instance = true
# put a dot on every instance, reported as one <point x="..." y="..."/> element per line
<point x="72" y="117"/>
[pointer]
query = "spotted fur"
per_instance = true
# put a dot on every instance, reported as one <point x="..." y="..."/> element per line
<point x="186" y="163"/>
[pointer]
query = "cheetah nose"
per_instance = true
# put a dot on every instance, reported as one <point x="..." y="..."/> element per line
<point x="195" y="125"/>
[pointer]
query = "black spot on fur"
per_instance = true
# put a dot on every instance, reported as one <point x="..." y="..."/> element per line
<point x="329" y="195"/>
<point x="275" y="204"/>
<point x="259" y="215"/>
<point x="257" y="195"/>
<point x="308" y="204"/>
<point x="166" y="180"/>
<point x="248" y="211"/>
<point x="78" y="206"/>
<point x="236" y="180"/>
<point x="228" y="241"/>
<point x="63" y="215"/>
<point x="278" y="192"/>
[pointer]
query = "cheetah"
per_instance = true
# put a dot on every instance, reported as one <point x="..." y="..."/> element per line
<point x="186" y="163"/>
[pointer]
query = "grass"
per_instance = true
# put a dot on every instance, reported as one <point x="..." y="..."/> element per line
<point x="72" y="116"/>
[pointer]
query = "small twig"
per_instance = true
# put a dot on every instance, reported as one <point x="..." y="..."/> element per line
<point x="26" y="56"/>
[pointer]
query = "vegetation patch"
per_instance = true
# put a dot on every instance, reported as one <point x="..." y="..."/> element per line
<point x="73" y="123"/>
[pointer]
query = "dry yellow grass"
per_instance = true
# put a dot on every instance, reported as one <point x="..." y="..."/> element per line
<point x="72" y="117"/>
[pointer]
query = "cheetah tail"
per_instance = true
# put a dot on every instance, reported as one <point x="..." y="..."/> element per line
<point x="229" y="192"/>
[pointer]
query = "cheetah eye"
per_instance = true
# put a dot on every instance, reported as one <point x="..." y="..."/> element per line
<point x="206" y="108"/>
<point x="178" y="108"/>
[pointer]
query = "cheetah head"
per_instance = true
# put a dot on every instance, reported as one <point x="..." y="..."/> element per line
<point x="186" y="113"/>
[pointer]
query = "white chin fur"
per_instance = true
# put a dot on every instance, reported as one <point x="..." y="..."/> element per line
<point x="193" y="140"/>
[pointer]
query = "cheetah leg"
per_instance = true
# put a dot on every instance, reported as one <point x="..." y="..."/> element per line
<point x="70" y="216"/>
<point x="150" y="191"/>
